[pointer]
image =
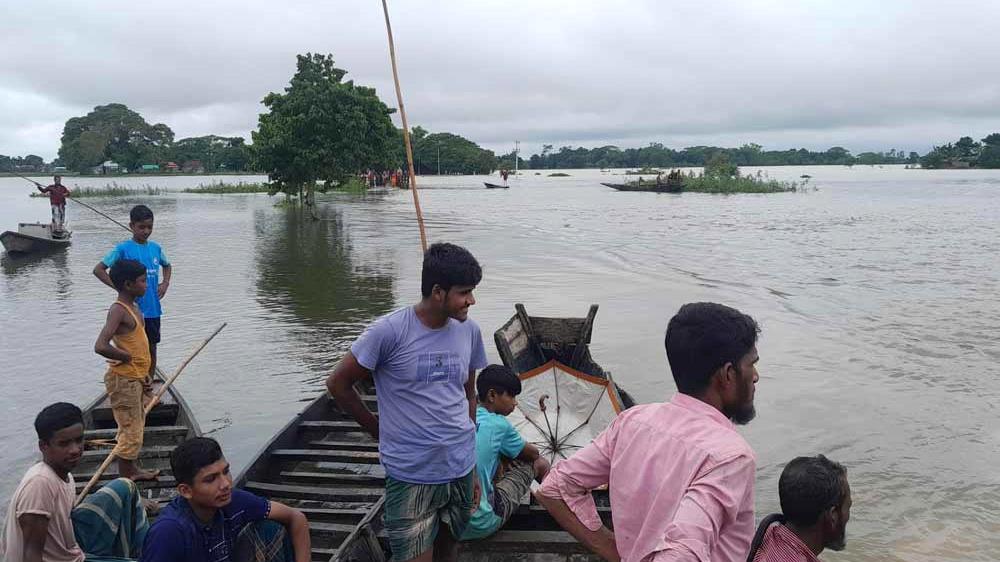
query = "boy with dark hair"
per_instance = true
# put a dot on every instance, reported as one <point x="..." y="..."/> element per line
<point x="815" y="508"/>
<point x="128" y="374"/>
<point x="423" y="359"/>
<point x="57" y="199"/>
<point x="42" y="525"/>
<point x="209" y="521"/>
<point x="680" y="475"/>
<point x="496" y="440"/>
<point x="141" y="249"/>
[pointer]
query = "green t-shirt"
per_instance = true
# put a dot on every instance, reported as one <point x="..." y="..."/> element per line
<point x="495" y="436"/>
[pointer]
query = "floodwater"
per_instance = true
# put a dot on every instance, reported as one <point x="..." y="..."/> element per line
<point x="877" y="294"/>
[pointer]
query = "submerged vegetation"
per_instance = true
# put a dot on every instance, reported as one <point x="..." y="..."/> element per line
<point x="720" y="176"/>
<point x="222" y="187"/>
<point x="109" y="190"/>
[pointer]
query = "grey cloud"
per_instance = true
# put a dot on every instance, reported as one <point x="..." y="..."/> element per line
<point x="860" y="74"/>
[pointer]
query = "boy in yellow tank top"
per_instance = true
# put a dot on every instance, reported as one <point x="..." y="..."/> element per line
<point x="129" y="371"/>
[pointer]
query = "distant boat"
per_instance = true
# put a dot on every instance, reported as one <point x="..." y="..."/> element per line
<point x="34" y="237"/>
<point x="653" y="187"/>
<point x="495" y="186"/>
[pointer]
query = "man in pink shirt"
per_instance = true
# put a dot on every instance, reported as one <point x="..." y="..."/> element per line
<point x="679" y="474"/>
<point x="815" y="507"/>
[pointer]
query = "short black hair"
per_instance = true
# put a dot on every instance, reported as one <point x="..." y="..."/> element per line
<point x="56" y="416"/>
<point x="808" y="486"/>
<point x="140" y="213"/>
<point x="704" y="336"/>
<point x="499" y="378"/>
<point x="193" y="455"/>
<point x="126" y="270"/>
<point x="447" y="265"/>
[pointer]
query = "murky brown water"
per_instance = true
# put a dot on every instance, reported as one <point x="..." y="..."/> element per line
<point x="877" y="294"/>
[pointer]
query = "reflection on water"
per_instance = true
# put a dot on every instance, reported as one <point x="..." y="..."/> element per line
<point x="306" y="267"/>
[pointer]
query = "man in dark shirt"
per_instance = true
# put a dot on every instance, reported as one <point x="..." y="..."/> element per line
<point x="209" y="521"/>
<point x="57" y="198"/>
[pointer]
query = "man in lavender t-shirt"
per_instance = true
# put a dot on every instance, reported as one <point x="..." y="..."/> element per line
<point x="423" y="359"/>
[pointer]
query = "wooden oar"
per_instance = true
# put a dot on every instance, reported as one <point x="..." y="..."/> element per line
<point x="156" y="400"/>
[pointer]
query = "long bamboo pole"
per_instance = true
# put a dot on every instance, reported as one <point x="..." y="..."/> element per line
<point x="406" y="129"/>
<point x="149" y="407"/>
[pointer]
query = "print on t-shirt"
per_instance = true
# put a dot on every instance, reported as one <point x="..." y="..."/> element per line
<point x="438" y="367"/>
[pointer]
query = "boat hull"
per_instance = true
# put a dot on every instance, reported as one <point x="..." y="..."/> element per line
<point x="495" y="186"/>
<point x="33" y="238"/>
<point x="653" y="188"/>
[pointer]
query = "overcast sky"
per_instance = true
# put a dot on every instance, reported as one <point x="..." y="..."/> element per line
<point x="860" y="74"/>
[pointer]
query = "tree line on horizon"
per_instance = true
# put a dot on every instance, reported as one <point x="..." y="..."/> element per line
<point x="325" y="129"/>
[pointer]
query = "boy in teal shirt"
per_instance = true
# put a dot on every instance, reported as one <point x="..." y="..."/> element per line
<point x="143" y="250"/>
<point x="496" y="439"/>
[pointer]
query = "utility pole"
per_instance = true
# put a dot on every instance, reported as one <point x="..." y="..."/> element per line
<point x="517" y="149"/>
<point x="439" y="158"/>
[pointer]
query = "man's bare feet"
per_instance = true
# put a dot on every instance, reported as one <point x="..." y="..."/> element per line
<point x="129" y="469"/>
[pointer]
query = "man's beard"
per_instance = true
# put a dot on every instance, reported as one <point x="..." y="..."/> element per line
<point x="742" y="413"/>
<point x="838" y="544"/>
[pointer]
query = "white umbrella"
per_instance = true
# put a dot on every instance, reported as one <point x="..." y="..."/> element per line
<point x="560" y="410"/>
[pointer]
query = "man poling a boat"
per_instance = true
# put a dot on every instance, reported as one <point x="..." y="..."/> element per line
<point x="57" y="193"/>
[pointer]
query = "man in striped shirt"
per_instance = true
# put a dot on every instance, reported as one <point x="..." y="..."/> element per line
<point x="815" y="505"/>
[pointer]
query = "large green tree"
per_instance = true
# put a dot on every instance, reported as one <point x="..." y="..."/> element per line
<point x="214" y="152"/>
<point x="322" y="129"/>
<point x="457" y="154"/>
<point x="112" y="132"/>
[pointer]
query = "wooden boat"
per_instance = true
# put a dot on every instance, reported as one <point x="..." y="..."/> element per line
<point x="324" y="464"/>
<point x="495" y="186"/>
<point x="653" y="187"/>
<point x="167" y="425"/>
<point x="34" y="237"/>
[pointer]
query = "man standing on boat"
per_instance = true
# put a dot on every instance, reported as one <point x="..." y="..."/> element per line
<point x="57" y="199"/>
<point x="423" y="359"/>
<point x="680" y="476"/>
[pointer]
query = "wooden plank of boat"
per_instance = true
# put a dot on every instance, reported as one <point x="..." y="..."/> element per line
<point x="322" y="463"/>
<point x="532" y="346"/>
<point x="325" y="465"/>
<point x="34" y="237"/>
<point x="168" y="424"/>
<point x="495" y="186"/>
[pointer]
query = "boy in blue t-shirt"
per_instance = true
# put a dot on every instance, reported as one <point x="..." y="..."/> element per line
<point x="496" y="439"/>
<point x="141" y="249"/>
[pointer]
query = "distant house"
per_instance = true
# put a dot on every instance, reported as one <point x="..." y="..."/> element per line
<point x="194" y="167"/>
<point x="107" y="167"/>
<point x="150" y="168"/>
<point x="171" y="167"/>
<point x="59" y="169"/>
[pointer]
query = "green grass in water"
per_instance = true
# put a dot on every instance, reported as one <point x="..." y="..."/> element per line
<point x="559" y="175"/>
<point x="109" y="190"/>
<point x="222" y="187"/>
